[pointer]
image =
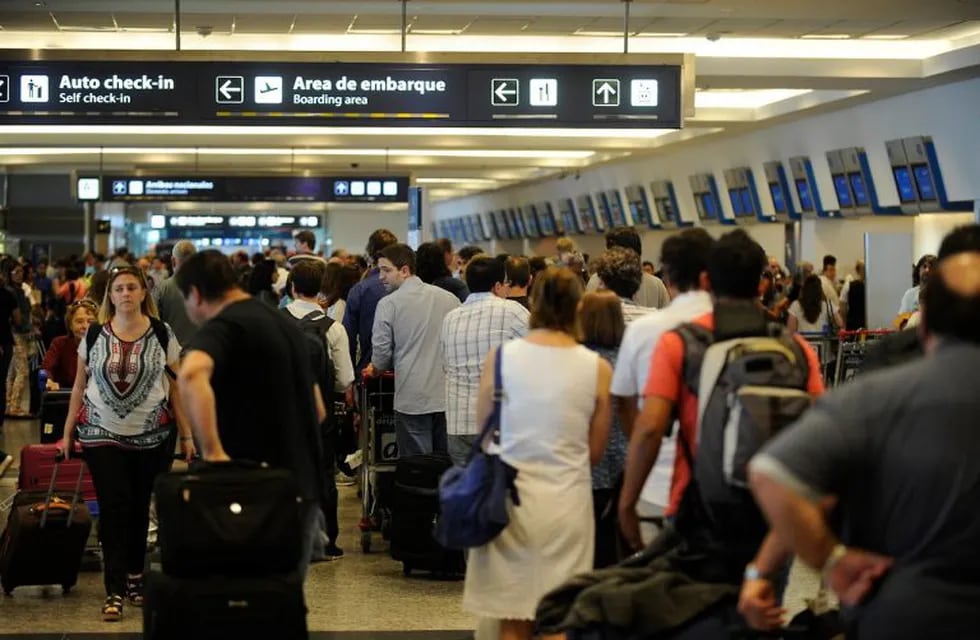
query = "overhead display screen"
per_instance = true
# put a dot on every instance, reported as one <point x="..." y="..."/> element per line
<point x="243" y="189"/>
<point x="331" y="93"/>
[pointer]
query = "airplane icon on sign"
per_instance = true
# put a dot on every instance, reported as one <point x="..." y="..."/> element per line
<point x="268" y="89"/>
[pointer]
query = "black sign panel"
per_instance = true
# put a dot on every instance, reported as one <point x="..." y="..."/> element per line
<point x="244" y="189"/>
<point x="280" y="93"/>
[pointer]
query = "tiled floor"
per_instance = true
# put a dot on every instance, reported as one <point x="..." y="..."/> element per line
<point x="357" y="593"/>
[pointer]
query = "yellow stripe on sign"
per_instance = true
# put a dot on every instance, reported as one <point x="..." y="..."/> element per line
<point x="332" y="114"/>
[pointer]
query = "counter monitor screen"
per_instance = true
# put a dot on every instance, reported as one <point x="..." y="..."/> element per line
<point x="778" y="198"/>
<point x="860" y="190"/>
<point x="748" y="207"/>
<point x="708" y="205"/>
<point x="803" y="191"/>
<point x="923" y="179"/>
<point x="903" y="180"/>
<point x="843" y="192"/>
<point x="666" y="209"/>
<point x="736" y="200"/>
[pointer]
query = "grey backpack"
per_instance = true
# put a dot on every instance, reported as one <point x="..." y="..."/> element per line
<point x="751" y="381"/>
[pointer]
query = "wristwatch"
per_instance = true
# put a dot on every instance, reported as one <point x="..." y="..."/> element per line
<point x="836" y="555"/>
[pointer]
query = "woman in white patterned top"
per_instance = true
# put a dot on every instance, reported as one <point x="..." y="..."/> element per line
<point x="123" y="413"/>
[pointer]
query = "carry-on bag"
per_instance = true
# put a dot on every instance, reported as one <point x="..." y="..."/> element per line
<point x="39" y="463"/>
<point x="414" y="512"/>
<point x="54" y="411"/>
<point x="221" y="607"/>
<point x="230" y="518"/>
<point x="45" y="536"/>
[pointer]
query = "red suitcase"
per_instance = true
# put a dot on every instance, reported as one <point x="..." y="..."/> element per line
<point x="37" y="466"/>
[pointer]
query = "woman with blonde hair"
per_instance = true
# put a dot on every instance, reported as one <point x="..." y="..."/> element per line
<point x="124" y="411"/>
<point x="552" y="429"/>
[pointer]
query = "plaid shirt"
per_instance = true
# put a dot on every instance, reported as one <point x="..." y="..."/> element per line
<point x="469" y="333"/>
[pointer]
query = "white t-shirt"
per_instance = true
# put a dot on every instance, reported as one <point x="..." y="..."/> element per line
<point x="804" y="326"/>
<point x="910" y="301"/>
<point x="126" y="401"/>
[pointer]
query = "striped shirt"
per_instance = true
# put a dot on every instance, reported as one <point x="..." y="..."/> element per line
<point x="469" y="333"/>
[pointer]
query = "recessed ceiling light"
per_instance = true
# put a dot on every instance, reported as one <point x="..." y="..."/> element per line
<point x="826" y="36"/>
<point x="886" y="37"/>
<point x="664" y="34"/>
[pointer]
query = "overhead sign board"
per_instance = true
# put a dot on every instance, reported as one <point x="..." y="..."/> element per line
<point x="291" y="93"/>
<point x="243" y="189"/>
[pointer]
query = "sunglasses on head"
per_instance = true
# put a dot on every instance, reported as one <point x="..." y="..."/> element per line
<point x="121" y="271"/>
<point x="84" y="302"/>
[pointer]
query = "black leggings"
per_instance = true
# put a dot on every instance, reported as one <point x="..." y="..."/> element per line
<point x="124" y="483"/>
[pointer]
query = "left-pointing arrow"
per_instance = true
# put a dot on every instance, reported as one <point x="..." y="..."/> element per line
<point x="227" y="89"/>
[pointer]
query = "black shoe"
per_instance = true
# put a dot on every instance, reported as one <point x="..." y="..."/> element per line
<point x="333" y="552"/>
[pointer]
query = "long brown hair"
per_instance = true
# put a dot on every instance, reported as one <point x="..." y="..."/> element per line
<point x="600" y="320"/>
<point x="108" y="310"/>
<point x="812" y="298"/>
<point x="554" y="300"/>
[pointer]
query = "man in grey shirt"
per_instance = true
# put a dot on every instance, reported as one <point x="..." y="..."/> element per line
<point x="897" y="451"/>
<point x="169" y="300"/>
<point x="405" y="338"/>
<point x="652" y="291"/>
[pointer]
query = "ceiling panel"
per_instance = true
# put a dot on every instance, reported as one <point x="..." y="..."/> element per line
<point x="497" y="26"/>
<point x="220" y="22"/>
<point x="26" y="20"/>
<point x="373" y="22"/>
<point x="793" y="28"/>
<point x="263" y="23"/>
<point x="127" y="20"/>
<point x="615" y="25"/>
<point x="675" y="25"/>
<point x="917" y="28"/>
<point x="307" y="23"/>
<point x="555" y="24"/>
<point x="738" y="27"/>
<point x="68" y="20"/>
<point x="441" y="23"/>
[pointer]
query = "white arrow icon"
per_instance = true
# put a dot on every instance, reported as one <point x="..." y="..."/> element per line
<point x="605" y="92"/>
<point x="226" y="90"/>
<point x="504" y="92"/>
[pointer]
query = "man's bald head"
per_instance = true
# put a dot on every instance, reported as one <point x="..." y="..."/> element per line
<point x="952" y="301"/>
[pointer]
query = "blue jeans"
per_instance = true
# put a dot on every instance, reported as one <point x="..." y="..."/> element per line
<point x="460" y="448"/>
<point x="417" y="434"/>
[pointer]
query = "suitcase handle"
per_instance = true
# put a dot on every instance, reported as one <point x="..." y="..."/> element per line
<point x="59" y="457"/>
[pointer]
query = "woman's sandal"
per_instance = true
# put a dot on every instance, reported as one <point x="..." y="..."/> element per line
<point x="112" y="609"/>
<point x="134" y="590"/>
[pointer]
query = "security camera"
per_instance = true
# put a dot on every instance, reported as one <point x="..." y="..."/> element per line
<point x="205" y="30"/>
<point x="713" y="37"/>
<point x="355" y="165"/>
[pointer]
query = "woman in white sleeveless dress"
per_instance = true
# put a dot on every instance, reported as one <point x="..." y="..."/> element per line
<point x="555" y="421"/>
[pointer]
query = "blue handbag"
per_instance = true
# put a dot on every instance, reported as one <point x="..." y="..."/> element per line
<point x="473" y="498"/>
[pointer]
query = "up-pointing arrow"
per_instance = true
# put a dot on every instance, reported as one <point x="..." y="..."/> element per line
<point x="502" y="92"/>
<point x="226" y="89"/>
<point x="606" y="91"/>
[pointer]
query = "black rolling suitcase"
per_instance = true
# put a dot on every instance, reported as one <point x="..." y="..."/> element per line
<point x="414" y="510"/>
<point x="54" y="411"/>
<point x="217" y="606"/>
<point x="234" y="518"/>
<point x="45" y="538"/>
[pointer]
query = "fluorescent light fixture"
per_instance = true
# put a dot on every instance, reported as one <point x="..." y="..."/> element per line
<point x="375" y="32"/>
<point x="435" y="32"/>
<point x="895" y="36"/>
<point x="748" y="99"/>
<point x="826" y="36"/>
<point x="239" y="151"/>
<point x="665" y="34"/>
<point x="455" y="180"/>
<point x="242" y="131"/>
<point x="601" y="34"/>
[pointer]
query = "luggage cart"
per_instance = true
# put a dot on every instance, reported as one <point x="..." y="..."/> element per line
<point x="380" y="453"/>
<point x="826" y="348"/>
<point x="851" y="350"/>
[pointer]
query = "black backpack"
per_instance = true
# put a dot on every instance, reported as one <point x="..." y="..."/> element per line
<point x="314" y="326"/>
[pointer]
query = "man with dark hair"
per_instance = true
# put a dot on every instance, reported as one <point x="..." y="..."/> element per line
<point x="518" y="274"/>
<point x="362" y="301"/>
<point x="734" y="266"/>
<point x="828" y="279"/>
<point x="897" y="452"/>
<point x="684" y="257"/>
<point x="485" y="321"/>
<point x="246" y="382"/>
<point x="652" y="292"/>
<point x="304" y="243"/>
<point x="618" y="270"/>
<point x="405" y="338"/>
<point x="307" y="277"/>
<point x="465" y="255"/>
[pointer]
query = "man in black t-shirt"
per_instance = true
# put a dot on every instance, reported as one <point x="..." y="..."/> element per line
<point x="246" y="382"/>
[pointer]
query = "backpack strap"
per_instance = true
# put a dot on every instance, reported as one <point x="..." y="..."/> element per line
<point x="90" y="337"/>
<point x="163" y="337"/>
